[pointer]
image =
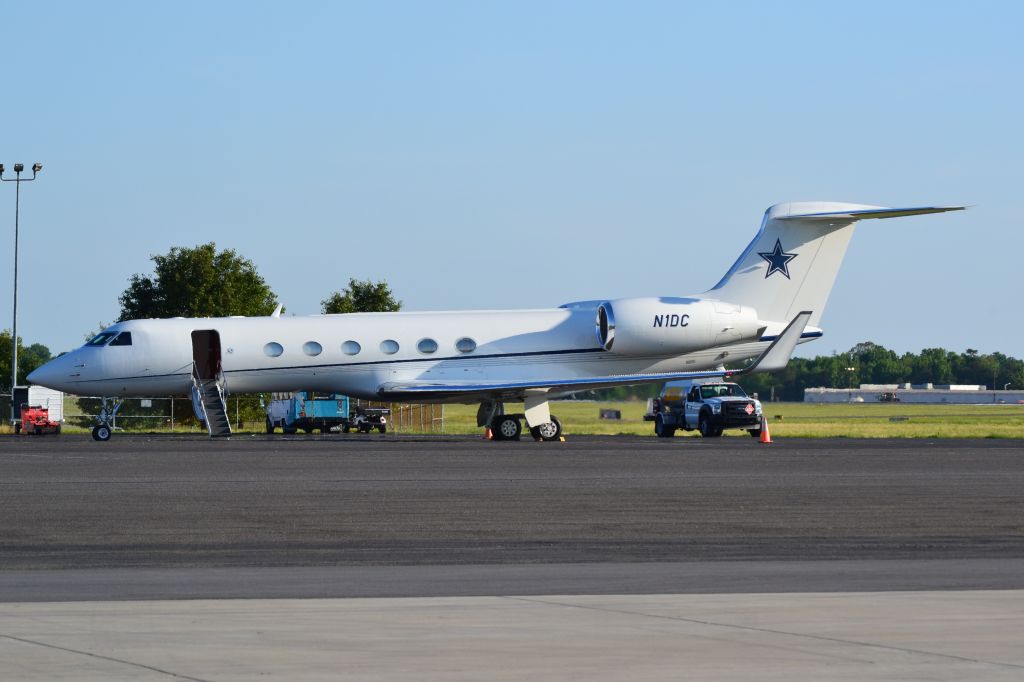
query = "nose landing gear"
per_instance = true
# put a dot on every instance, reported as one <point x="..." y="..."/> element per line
<point x="106" y="418"/>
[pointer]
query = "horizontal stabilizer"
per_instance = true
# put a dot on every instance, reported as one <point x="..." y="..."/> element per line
<point x="866" y="214"/>
<point x="777" y="355"/>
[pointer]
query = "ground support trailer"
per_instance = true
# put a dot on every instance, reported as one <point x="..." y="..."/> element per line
<point x="324" y="412"/>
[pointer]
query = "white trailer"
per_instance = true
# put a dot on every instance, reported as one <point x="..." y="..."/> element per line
<point x="39" y="396"/>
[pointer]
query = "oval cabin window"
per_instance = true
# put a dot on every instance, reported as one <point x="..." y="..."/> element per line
<point x="427" y="346"/>
<point x="465" y="345"/>
<point x="389" y="347"/>
<point x="350" y="348"/>
<point x="312" y="348"/>
<point x="273" y="349"/>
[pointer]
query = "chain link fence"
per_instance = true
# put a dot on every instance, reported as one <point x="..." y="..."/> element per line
<point x="168" y="415"/>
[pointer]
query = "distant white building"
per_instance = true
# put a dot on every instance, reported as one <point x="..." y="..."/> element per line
<point x="962" y="394"/>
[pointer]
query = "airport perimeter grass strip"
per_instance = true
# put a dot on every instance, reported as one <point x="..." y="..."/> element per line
<point x="798" y="420"/>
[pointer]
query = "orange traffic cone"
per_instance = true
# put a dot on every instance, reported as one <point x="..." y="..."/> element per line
<point x="488" y="434"/>
<point x="765" y="436"/>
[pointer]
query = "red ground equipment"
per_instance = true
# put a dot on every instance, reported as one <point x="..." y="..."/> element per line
<point x="35" y="420"/>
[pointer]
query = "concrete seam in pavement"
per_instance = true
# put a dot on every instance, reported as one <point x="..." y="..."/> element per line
<point x="754" y="628"/>
<point x="102" y="657"/>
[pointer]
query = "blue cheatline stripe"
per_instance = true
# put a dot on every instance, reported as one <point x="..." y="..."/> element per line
<point x="141" y="376"/>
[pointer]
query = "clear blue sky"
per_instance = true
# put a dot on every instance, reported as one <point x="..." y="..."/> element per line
<point x="485" y="155"/>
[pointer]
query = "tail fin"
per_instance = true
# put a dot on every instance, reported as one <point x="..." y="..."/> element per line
<point x="793" y="260"/>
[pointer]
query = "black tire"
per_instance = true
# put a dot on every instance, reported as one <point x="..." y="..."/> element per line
<point x="383" y="428"/>
<point x="289" y="430"/>
<point x="270" y="426"/>
<point x="550" y="431"/>
<point x="101" y="432"/>
<point x="661" y="430"/>
<point x="756" y="433"/>
<point x="346" y="427"/>
<point x="17" y="428"/>
<point x="57" y="430"/>
<point x="506" y="427"/>
<point x="706" y="429"/>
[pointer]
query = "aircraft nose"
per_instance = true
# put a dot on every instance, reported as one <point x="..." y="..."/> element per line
<point x="50" y="375"/>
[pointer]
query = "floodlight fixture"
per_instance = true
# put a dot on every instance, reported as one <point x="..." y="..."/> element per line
<point x="1" y="169"/>
<point x="18" y="167"/>
<point x="36" y="167"/>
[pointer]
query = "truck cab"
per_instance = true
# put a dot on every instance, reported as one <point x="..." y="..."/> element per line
<point x="708" y="406"/>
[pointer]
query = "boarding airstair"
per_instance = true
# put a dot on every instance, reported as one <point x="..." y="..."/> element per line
<point x="209" y="405"/>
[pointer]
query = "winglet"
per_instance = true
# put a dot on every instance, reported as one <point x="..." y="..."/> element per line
<point x="777" y="355"/>
<point x="277" y="311"/>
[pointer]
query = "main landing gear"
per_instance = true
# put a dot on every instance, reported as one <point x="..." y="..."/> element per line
<point x="510" y="426"/>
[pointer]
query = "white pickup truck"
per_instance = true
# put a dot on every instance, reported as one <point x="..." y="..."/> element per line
<point x="710" y="406"/>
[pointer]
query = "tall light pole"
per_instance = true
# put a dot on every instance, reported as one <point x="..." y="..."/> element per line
<point x="17" y="180"/>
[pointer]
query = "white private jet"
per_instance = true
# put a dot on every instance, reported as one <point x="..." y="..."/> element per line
<point x="771" y="299"/>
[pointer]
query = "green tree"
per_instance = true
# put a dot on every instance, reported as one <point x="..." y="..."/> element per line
<point x="29" y="358"/>
<point x="198" y="282"/>
<point x="362" y="297"/>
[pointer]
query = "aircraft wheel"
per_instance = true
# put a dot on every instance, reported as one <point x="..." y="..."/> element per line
<point x="661" y="430"/>
<point x="506" y="428"/>
<point x="550" y="431"/>
<point x="101" y="432"/>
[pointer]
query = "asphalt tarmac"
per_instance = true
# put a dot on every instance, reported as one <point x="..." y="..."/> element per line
<point x="184" y="517"/>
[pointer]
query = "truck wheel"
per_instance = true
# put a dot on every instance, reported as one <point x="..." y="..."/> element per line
<point x="706" y="429"/>
<point x="506" y="428"/>
<point x="288" y="430"/>
<point x="101" y="432"/>
<point x="270" y="426"/>
<point x="661" y="430"/>
<point x="345" y="428"/>
<point x="756" y="433"/>
<point x="17" y="429"/>
<point x="383" y="428"/>
<point x="550" y="431"/>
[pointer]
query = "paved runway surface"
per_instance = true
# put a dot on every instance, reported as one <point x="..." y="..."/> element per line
<point x="343" y="516"/>
<point x="618" y="558"/>
<point x="948" y="636"/>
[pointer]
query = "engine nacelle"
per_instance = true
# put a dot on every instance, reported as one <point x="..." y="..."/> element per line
<point x="673" y="326"/>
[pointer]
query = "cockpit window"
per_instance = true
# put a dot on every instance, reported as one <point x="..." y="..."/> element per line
<point x="101" y="339"/>
<point x="123" y="339"/>
<point x="721" y="390"/>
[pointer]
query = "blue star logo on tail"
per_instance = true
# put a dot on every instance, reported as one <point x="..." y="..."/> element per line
<point x="778" y="260"/>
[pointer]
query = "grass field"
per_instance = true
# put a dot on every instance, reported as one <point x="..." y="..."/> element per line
<point x="861" y="420"/>
<point x="879" y="420"/>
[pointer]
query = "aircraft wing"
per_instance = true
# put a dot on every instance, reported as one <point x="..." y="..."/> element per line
<point x="774" y="358"/>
